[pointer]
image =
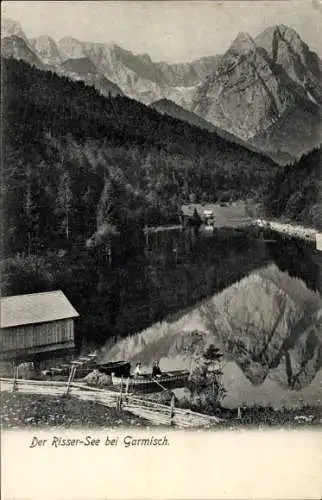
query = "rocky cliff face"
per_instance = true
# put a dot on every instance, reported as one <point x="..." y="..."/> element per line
<point x="9" y="27"/>
<point x="16" y="47"/>
<point x="266" y="91"/>
<point x="136" y="75"/>
<point x="83" y="69"/>
<point x="47" y="50"/>
<point x="244" y="95"/>
<point x="286" y="49"/>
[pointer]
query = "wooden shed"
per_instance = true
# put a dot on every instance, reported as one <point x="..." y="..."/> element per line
<point x="37" y="327"/>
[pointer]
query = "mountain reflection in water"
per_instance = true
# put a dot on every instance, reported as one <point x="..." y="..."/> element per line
<point x="268" y="325"/>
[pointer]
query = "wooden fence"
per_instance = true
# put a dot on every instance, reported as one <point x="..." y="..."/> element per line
<point x="156" y="413"/>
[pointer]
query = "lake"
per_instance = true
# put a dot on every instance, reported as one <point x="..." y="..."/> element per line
<point x="259" y="302"/>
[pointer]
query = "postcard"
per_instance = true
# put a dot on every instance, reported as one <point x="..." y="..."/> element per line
<point x="161" y="250"/>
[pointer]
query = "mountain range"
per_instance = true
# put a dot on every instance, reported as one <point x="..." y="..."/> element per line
<point x="264" y="92"/>
<point x="137" y="75"/>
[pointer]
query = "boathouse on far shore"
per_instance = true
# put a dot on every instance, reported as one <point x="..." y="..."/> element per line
<point x="37" y="327"/>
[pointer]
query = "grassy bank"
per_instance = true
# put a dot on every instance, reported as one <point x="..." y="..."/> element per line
<point x="30" y="411"/>
<point x="20" y="411"/>
<point x="260" y="416"/>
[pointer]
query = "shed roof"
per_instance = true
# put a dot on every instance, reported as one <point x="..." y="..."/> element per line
<point x="35" y="308"/>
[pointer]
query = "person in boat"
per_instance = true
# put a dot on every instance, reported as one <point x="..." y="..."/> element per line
<point x="156" y="370"/>
<point x="137" y="371"/>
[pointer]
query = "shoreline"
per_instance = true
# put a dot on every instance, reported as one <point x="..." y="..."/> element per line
<point x="25" y="411"/>
<point x="291" y="230"/>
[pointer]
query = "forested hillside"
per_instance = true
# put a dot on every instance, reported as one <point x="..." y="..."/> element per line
<point x="75" y="160"/>
<point x="295" y="192"/>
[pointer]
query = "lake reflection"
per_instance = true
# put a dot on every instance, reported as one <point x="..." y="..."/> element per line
<point x="268" y="325"/>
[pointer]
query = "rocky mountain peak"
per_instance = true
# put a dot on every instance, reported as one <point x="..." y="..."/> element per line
<point x="286" y="31"/>
<point x="286" y="48"/>
<point x="259" y="85"/>
<point x="70" y="48"/>
<point x="243" y="43"/>
<point x="273" y="37"/>
<point x="16" y="47"/>
<point x="44" y="40"/>
<point x="9" y="27"/>
<point x="47" y="49"/>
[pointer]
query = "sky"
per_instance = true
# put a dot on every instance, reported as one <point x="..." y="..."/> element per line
<point x="172" y="31"/>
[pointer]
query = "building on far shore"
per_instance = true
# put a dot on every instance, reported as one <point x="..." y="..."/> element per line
<point x="318" y="239"/>
<point x="37" y="327"/>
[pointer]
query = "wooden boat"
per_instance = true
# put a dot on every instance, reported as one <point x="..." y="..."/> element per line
<point x="64" y="370"/>
<point x="84" y="366"/>
<point x="119" y="368"/>
<point x="145" y="382"/>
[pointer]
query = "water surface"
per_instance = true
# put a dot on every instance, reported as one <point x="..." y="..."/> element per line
<point x="267" y="321"/>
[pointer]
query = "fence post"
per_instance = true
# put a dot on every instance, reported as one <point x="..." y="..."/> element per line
<point x="70" y="379"/>
<point x="15" y="377"/>
<point x="121" y="392"/>
<point x="172" y="405"/>
<point x="127" y="386"/>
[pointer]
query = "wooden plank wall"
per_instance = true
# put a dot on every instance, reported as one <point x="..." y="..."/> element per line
<point x="56" y="358"/>
<point x="36" y="335"/>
